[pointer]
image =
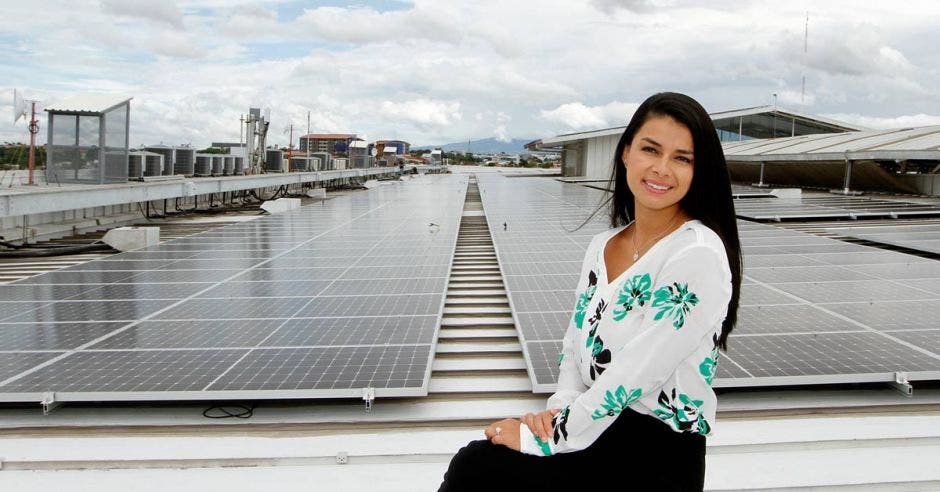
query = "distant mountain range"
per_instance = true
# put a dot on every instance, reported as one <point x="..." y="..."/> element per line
<point x="484" y="146"/>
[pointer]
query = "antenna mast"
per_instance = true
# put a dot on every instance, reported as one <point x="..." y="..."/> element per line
<point x="19" y="110"/>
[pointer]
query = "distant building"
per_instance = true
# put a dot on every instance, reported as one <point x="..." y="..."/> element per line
<point x="359" y="156"/>
<point x="401" y="147"/>
<point x="233" y="148"/>
<point x="333" y="143"/>
<point x="589" y="153"/>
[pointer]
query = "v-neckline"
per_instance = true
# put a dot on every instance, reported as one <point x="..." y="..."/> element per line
<point x="603" y="252"/>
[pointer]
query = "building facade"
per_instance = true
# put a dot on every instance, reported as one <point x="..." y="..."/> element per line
<point x="333" y="143"/>
<point x="401" y="147"/>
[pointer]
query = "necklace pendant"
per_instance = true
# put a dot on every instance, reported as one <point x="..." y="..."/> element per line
<point x="636" y="255"/>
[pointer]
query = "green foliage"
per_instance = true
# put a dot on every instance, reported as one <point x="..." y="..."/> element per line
<point x="212" y="150"/>
<point x="16" y="156"/>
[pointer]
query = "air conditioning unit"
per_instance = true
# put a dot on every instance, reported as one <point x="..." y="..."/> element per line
<point x="302" y="163"/>
<point x="228" y="166"/>
<point x="340" y="163"/>
<point x="203" y="165"/>
<point x="218" y="162"/>
<point x="168" y="157"/>
<point x="274" y="161"/>
<point x="325" y="160"/>
<point x="135" y="165"/>
<point x="153" y="164"/>
<point x="185" y="162"/>
<point x="239" y="165"/>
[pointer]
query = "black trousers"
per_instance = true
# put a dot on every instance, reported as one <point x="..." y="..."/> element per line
<point x="637" y="452"/>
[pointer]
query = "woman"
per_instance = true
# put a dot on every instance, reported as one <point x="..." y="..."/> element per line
<point x="657" y="298"/>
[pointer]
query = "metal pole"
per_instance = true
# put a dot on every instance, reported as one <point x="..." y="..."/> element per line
<point x="33" y="130"/>
<point x="308" y="134"/>
<point x="848" y="175"/>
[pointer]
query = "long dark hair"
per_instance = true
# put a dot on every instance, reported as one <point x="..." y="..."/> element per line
<point x="709" y="198"/>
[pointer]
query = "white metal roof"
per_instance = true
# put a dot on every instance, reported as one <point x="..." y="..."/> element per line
<point x="358" y="144"/>
<point x="906" y="143"/>
<point x="390" y="149"/>
<point x="574" y="137"/>
<point x="735" y="113"/>
<point x="88" y="103"/>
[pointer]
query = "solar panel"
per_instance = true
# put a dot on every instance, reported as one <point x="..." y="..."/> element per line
<point x="805" y="292"/>
<point x="924" y="237"/>
<point x="319" y="302"/>
<point x="776" y="209"/>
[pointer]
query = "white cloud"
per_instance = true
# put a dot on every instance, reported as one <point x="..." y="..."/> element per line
<point x="422" y="112"/>
<point x="439" y="71"/>
<point x="886" y="123"/>
<point x="367" y="25"/>
<point x="578" y="116"/>
<point x="161" y="11"/>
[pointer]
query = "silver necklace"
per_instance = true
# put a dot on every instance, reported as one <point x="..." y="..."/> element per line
<point x="636" y="251"/>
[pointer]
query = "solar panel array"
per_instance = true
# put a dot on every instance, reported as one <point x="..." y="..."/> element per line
<point x="925" y="237"/>
<point x="319" y="302"/>
<point x="832" y="207"/>
<point x="813" y="310"/>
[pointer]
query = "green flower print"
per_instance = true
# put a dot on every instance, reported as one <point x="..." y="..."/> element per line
<point x="682" y="411"/>
<point x="544" y="446"/>
<point x="584" y="299"/>
<point x="561" y="358"/>
<point x="709" y="365"/>
<point x="674" y="301"/>
<point x="633" y="292"/>
<point x="616" y="402"/>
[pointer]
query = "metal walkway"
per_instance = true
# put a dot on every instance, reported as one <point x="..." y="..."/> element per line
<point x="478" y="350"/>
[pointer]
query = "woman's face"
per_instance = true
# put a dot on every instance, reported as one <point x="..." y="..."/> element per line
<point x="660" y="162"/>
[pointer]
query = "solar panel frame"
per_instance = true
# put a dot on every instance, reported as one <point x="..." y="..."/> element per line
<point x="789" y="275"/>
<point x="400" y="214"/>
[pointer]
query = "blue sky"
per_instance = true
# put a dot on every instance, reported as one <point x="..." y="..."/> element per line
<point x="434" y="72"/>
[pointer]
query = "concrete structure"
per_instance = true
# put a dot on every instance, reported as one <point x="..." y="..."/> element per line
<point x="88" y="139"/>
<point x="327" y="142"/>
<point x="131" y="238"/>
<point x="43" y="212"/>
<point x="280" y="205"/>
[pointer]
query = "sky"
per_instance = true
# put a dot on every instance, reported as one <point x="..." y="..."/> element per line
<point x="435" y="72"/>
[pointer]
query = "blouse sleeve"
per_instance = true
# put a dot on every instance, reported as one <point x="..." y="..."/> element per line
<point x="690" y="302"/>
<point x="570" y="385"/>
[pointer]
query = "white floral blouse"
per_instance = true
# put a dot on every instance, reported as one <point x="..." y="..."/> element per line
<point x="647" y="340"/>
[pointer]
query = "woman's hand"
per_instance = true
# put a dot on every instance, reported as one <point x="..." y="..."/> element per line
<point x="504" y="432"/>
<point x="540" y="423"/>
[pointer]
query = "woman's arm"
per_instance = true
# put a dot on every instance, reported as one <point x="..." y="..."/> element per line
<point x="688" y="305"/>
<point x="570" y="385"/>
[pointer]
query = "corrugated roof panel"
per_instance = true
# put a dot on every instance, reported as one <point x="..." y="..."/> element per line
<point x="929" y="140"/>
<point x="88" y="103"/>
<point x="914" y="139"/>
<point x="871" y="140"/>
